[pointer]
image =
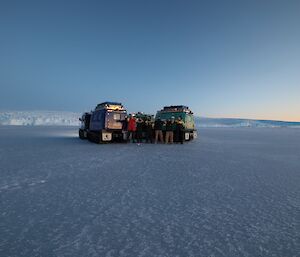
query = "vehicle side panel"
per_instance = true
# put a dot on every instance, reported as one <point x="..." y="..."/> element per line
<point x="189" y="122"/>
<point x="97" y="120"/>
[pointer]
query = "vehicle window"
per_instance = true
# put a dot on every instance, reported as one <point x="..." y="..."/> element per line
<point x="117" y="116"/>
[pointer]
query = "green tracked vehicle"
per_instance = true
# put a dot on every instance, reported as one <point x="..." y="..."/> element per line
<point x="176" y="111"/>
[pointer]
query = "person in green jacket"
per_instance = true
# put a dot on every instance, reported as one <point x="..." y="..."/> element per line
<point x="170" y="127"/>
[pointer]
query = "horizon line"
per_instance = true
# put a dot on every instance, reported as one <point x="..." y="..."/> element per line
<point x="199" y="116"/>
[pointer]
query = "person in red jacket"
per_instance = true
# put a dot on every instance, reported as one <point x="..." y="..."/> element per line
<point x="131" y="128"/>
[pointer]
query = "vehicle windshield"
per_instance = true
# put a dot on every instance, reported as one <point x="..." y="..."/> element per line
<point x="169" y="115"/>
<point x="114" y="119"/>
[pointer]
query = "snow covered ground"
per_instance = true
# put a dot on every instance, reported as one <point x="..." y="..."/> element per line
<point x="232" y="192"/>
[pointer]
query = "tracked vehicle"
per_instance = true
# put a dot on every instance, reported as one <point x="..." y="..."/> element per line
<point x="144" y="116"/>
<point x="85" y="125"/>
<point x="106" y="123"/>
<point x="176" y="111"/>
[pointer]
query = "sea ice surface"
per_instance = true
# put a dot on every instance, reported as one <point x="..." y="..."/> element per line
<point x="231" y="192"/>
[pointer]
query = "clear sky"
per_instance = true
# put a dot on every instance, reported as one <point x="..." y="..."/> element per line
<point x="222" y="58"/>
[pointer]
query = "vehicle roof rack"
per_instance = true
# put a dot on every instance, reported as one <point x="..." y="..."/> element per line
<point x="176" y="108"/>
<point x="110" y="106"/>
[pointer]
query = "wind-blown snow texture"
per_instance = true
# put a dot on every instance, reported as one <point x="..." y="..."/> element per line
<point x="232" y="192"/>
<point x="52" y="118"/>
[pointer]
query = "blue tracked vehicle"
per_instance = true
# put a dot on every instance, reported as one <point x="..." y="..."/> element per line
<point x="85" y="125"/>
<point x="106" y="123"/>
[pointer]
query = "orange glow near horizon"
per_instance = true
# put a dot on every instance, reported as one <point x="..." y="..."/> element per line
<point x="288" y="118"/>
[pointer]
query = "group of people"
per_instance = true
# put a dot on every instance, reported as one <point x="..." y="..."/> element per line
<point x="139" y="129"/>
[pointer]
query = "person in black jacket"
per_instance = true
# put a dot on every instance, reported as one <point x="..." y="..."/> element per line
<point x="170" y="127"/>
<point x="139" y="130"/>
<point x="158" y="126"/>
<point x="125" y="127"/>
<point x="179" y="132"/>
<point x="148" y="130"/>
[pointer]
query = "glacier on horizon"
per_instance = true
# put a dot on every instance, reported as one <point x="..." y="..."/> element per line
<point x="39" y="118"/>
<point x="63" y="118"/>
<point x="234" y="122"/>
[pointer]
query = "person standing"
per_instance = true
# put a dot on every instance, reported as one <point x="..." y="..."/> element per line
<point x="139" y="130"/>
<point x="131" y="128"/>
<point x="148" y="130"/>
<point x="125" y="128"/>
<point x="158" y="126"/>
<point x="179" y="132"/>
<point x="170" y="127"/>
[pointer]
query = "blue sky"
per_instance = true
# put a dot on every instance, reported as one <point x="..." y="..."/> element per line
<point x="221" y="58"/>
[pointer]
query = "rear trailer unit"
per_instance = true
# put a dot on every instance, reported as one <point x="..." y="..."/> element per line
<point x="85" y="125"/>
<point x="187" y="116"/>
<point x="106" y="123"/>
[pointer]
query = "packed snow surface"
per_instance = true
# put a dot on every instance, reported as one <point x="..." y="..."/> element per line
<point x="231" y="192"/>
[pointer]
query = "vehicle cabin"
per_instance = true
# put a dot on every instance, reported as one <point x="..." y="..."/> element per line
<point x="106" y="123"/>
<point x="176" y="111"/>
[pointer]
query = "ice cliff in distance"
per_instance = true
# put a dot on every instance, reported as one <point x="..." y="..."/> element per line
<point x="231" y="122"/>
<point x="59" y="118"/>
<point x="39" y="118"/>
